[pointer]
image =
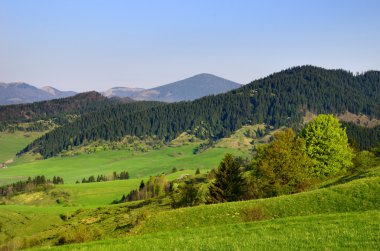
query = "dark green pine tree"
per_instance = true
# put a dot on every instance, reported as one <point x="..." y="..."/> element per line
<point x="142" y="185"/>
<point x="229" y="182"/>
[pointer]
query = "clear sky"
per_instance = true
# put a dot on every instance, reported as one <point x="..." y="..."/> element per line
<point x="93" y="45"/>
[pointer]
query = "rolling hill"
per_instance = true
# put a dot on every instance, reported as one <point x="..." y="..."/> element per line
<point x="83" y="102"/>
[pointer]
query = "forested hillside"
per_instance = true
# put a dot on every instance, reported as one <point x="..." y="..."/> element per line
<point x="45" y="109"/>
<point x="361" y="137"/>
<point x="279" y="99"/>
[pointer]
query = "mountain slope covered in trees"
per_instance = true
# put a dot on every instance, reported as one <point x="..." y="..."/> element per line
<point x="46" y="109"/>
<point x="279" y="99"/>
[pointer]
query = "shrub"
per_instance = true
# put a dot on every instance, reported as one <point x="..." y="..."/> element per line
<point x="79" y="234"/>
<point x="255" y="213"/>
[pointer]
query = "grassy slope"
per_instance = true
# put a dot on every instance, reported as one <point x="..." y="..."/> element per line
<point x="20" y="221"/>
<point x="11" y="143"/>
<point x="84" y="195"/>
<point x="340" y="216"/>
<point x="359" y="230"/>
<point x="138" y="165"/>
<point x="345" y="218"/>
<point x="358" y="195"/>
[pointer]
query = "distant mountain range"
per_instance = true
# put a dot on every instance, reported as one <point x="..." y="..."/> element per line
<point x="17" y="93"/>
<point x="187" y="89"/>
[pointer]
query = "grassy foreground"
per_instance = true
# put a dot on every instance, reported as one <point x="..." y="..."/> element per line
<point x="344" y="216"/>
<point x="359" y="230"/>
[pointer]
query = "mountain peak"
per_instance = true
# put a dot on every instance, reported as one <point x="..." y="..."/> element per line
<point x="50" y="90"/>
<point x="20" y="92"/>
<point x="192" y="88"/>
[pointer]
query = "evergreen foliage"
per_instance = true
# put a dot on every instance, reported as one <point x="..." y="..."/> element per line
<point x="78" y="104"/>
<point x="57" y="180"/>
<point x="37" y="183"/>
<point x="229" y="182"/>
<point x="154" y="187"/>
<point x="277" y="100"/>
<point x="362" y="138"/>
<point x="124" y="175"/>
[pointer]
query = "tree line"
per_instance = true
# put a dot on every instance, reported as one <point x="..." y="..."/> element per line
<point x="363" y="138"/>
<point x="289" y="164"/>
<point x="31" y="184"/>
<point x="123" y="175"/>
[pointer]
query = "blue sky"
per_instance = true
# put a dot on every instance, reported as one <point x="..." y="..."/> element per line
<point x="94" y="45"/>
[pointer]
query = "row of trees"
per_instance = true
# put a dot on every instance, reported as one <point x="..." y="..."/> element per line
<point x="362" y="138"/>
<point x="31" y="184"/>
<point x="124" y="175"/>
<point x="287" y="165"/>
<point x="155" y="187"/>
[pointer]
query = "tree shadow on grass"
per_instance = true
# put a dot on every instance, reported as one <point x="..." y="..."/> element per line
<point x="348" y="178"/>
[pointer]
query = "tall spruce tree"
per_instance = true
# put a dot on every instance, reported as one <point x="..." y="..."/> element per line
<point x="229" y="182"/>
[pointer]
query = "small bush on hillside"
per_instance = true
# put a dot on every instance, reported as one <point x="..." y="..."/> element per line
<point x="255" y="213"/>
<point x="187" y="194"/>
<point x="362" y="161"/>
<point x="79" y="234"/>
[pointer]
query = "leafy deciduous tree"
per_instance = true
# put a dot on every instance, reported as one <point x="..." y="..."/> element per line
<point x="280" y="168"/>
<point x="327" y="145"/>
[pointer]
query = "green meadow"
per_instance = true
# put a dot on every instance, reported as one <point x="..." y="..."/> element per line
<point x="340" y="213"/>
<point x="341" y="216"/>
<point x="352" y="231"/>
<point x="11" y="143"/>
<point x="138" y="164"/>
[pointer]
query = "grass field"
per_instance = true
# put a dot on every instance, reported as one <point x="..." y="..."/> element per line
<point x="336" y="217"/>
<point x="18" y="221"/>
<point x="11" y="143"/>
<point x="344" y="216"/>
<point x="357" y="231"/>
<point x="83" y="195"/>
<point x="341" y="213"/>
<point x="139" y="165"/>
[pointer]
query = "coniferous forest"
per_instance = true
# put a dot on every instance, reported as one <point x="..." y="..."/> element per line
<point x="280" y="99"/>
